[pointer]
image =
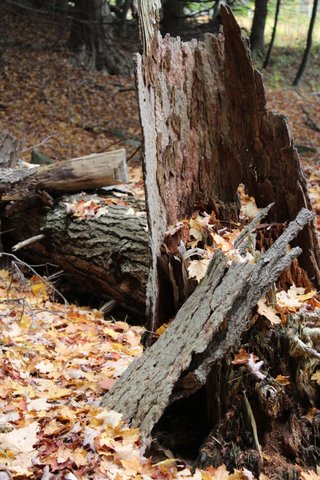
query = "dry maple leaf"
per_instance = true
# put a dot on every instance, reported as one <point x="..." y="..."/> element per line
<point x="316" y="377"/>
<point x="251" y="361"/>
<point x="293" y="299"/>
<point x="242" y="357"/>
<point x="197" y="268"/>
<point x="20" y="440"/>
<point x="268" y="311"/>
<point x="283" y="379"/>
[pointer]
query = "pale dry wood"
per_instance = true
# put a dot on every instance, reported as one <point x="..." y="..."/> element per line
<point x="84" y="173"/>
<point x="9" y="150"/>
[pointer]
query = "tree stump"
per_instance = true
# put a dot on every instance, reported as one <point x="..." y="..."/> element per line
<point x="207" y="130"/>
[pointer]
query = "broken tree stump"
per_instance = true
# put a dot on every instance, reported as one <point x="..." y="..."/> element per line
<point x="206" y="130"/>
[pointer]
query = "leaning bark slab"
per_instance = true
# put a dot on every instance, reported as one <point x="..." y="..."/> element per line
<point x="106" y="255"/>
<point x="207" y="327"/>
<point x="84" y="173"/>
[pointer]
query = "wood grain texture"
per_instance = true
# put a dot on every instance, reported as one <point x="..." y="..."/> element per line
<point x="206" y="130"/>
<point x="74" y="175"/>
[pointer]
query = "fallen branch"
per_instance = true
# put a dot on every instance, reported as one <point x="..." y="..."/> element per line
<point x="84" y="173"/>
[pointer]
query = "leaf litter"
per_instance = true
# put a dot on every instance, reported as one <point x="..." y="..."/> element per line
<point x="56" y="361"/>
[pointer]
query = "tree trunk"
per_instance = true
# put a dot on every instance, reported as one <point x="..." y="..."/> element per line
<point x="172" y="18"/>
<point x="206" y="130"/>
<point x="307" y="51"/>
<point x="258" y="25"/>
<point x="106" y="255"/>
<point x="273" y="36"/>
<point x="92" y="38"/>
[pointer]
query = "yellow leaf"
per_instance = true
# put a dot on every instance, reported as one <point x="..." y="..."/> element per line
<point x="25" y="322"/>
<point x="198" y="268"/>
<point x="162" y="329"/>
<point x="316" y="377"/>
<point x="268" y="312"/>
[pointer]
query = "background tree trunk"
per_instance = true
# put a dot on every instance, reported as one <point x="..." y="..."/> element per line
<point x="172" y="20"/>
<point x="92" y="37"/>
<point x="307" y="51"/>
<point x="273" y="36"/>
<point x="258" y="25"/>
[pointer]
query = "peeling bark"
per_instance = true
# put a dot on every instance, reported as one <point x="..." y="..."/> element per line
<point x="207" y="129"/>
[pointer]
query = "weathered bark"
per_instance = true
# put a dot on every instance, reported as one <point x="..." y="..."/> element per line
<point x="108" y="255"/>
<point x="258" y="25"/>
<point x="207" y="327"/>
<point x="206" y="130"/>
<point x="85" y="173"/>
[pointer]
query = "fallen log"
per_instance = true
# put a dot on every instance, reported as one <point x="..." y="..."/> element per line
<point x="107" y="255"/>
<point x="83" y="173"/>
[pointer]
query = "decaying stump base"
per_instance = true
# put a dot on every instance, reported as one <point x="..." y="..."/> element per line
<point x="287" y="428"/>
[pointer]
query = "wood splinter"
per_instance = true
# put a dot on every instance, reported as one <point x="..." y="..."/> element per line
<point x="27" y="242"/>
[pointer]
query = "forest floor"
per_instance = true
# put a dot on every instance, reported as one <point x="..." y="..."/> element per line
<point x="56" y="360"/>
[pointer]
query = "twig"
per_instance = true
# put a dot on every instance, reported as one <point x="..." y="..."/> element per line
<point x="48" y="284"/>
<point x="253" y="424"/>
<point x="310" y="122"/>
<point x="27" y="242"/>
<point x="134" y="153"/>
<point x="41" y="143"/>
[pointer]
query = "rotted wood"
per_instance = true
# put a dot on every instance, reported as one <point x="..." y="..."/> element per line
<point x="84" y="173"/>
<point x="284" y="410"/>
<point x="106" y="255"/>
<point x="208" y="326"/>
<point x="206" y="130"/>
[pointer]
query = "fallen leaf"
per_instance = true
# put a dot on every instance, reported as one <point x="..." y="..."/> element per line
<point x="198" y="268"/>
<point x="268" y="311"/>
<point x="283" y="380"/>
<point x="20" y="440"/>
